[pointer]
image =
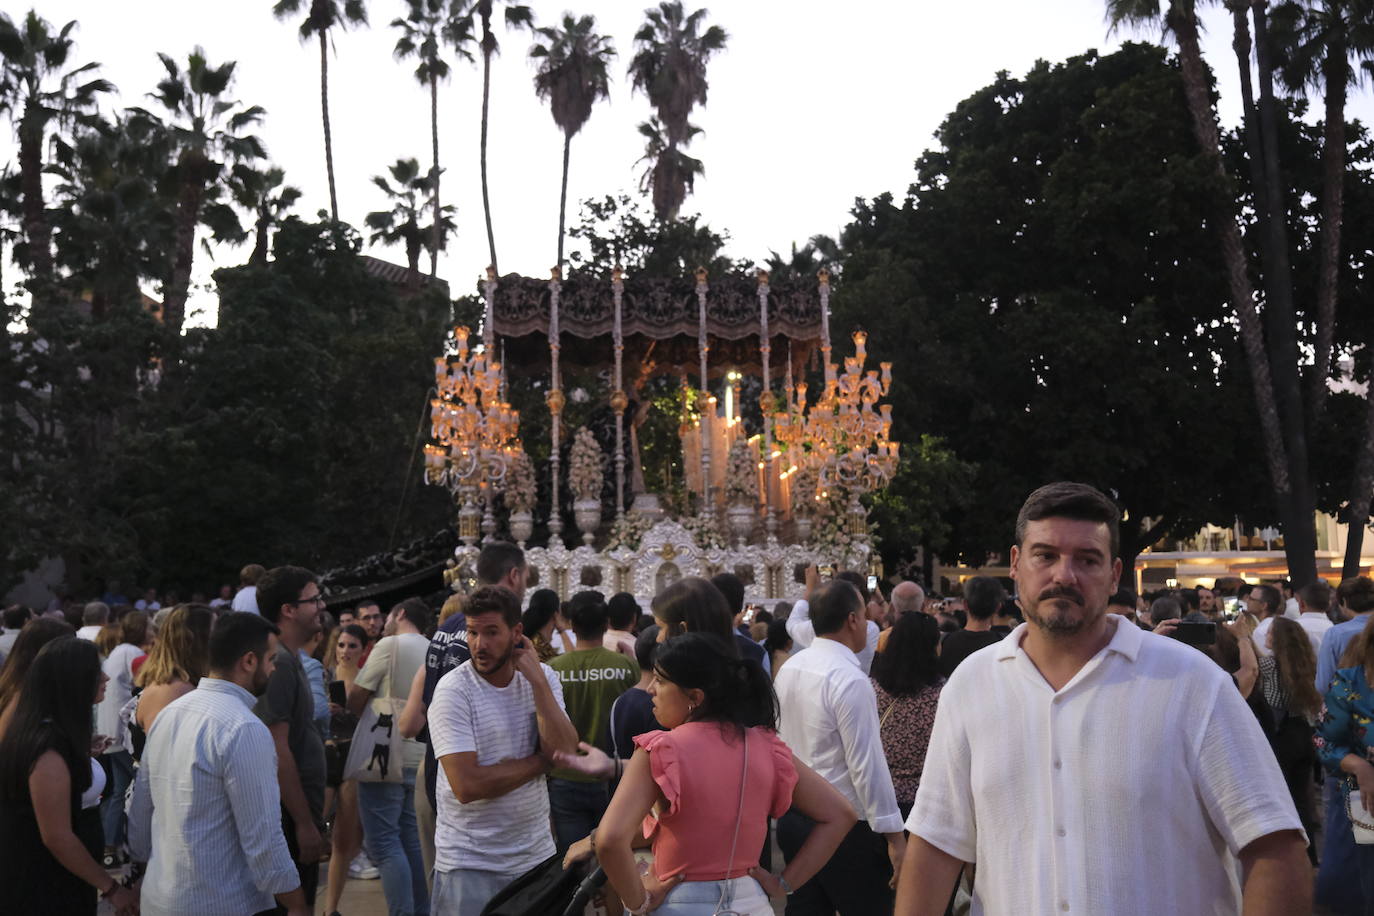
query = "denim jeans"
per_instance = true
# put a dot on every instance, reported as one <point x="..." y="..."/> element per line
<point x="465" y="891"/>
<point x="704" y="898"/>
<point x="576" y="808"/>
<point x="112" y="817"/>
<point x="392" y="840"/>
<point x="1338" y="885"/>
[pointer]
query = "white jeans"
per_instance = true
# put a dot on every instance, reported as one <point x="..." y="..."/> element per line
<point x="704" y="898"/>
<point x="465" y="891"/>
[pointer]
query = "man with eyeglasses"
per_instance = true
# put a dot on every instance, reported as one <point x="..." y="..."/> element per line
<point x="289" y="597"/>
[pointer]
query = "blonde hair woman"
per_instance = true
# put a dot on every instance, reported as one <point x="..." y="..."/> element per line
<point x="175" y="665"/>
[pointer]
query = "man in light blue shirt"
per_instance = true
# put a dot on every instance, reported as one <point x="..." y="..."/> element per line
<point x="205" y="810"/>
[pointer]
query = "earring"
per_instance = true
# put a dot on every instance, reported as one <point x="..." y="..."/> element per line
<point x="691" y="708"/>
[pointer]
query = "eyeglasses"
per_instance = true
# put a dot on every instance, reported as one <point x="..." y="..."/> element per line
<point x="314" y="599"/>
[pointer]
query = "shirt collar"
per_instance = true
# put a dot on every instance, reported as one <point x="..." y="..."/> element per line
<point x="228" y="688"/>
<point x="1126" y="641"/>
<point x="835" y="649"/>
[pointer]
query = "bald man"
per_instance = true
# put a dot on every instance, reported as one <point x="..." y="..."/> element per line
<point x="907" y="598"/>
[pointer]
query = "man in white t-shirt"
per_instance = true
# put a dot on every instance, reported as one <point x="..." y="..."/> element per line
<point x="1266" y="603"/>
<point x="93" y="619"/>
<point x="1086" y="766"/>
<point x="1314" y="601"/>
<point x="387" y="809"/>
<point x="494" y="723"/>
<point x="246" y="600"/>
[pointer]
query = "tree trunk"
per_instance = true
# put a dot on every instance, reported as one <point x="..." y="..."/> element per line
<point x="1337" y="76"/>
<point x="437" y="240"/>
<point x="1195" y="86"/>
<point x="259" y="255"/>
<point x="328" y="134"/>
<point x="183" y="248"/>
<point x="486" y="197"/>
<point x="563" y="196"/>
<point x="1254" y="148"/>
<point x="1298" y="510"/>
<point x="37" y="230"/>
<point x="1362" y="486"/>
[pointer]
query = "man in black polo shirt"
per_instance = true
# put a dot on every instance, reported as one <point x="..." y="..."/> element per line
<point x="982" y="596"/>
<point x="732" y="587"/>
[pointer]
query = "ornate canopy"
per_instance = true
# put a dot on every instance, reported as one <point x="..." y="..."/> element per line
<point x="660" y="322"/>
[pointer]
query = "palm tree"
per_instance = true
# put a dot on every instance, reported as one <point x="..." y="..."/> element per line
<point x="422" y="32"/>
<point x="112" y="226"/>
<point x="572" y="77"/>
<point x="411" y="198"/>
<point x="1318" y="45"/>
<point x="669" y="173"/>
<point x="466" y="14"/>
<point x="1282" y="426"/>
<point x="38" y="90"/>
<point x="207" y="132"/>
<point x="266" y="196"/>
<point x="669" y="67"/>
<point x="322" y="16"/>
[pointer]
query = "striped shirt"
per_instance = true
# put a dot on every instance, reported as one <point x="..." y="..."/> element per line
<point x="509" y="833"/>
<point x="1131" y="790"/>
<point x="206" y="810"/>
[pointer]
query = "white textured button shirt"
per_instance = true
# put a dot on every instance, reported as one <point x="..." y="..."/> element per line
<point x="1129" y="791"/>
<point x="803" y="632"/>
<point x="206" y="806"/>
<point x="1315" y="624"/>
<point x="829" y="718"/>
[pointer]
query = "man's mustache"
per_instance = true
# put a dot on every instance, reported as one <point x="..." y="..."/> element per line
<point x="1062" y="591"/>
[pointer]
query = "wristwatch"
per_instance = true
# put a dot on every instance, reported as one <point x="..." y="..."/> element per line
<point x="786" y="888"/>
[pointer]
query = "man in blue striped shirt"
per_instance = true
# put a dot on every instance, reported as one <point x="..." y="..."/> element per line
<point x="205" y="813"/>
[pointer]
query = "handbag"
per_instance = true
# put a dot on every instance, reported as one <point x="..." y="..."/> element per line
<point x="377" y="751"/>
<point x="1360" y="823"/>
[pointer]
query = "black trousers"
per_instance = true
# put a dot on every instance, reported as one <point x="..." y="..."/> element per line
<point x="309" y="872"/>
<point x="855" y="880"/>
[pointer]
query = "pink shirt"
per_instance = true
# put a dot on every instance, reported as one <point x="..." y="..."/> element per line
<point x="697" y="767"/>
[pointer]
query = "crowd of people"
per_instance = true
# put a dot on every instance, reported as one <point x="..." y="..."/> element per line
<point x="1071" y="747"/>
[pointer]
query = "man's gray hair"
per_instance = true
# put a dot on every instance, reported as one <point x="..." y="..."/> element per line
<point x="97" y="613"/>
<point x="908" y="597"/>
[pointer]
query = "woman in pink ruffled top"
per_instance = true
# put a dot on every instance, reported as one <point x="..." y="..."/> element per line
<point x="703" y="792"/>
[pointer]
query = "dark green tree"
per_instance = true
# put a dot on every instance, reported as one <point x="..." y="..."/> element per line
<point x="411" y="198"/>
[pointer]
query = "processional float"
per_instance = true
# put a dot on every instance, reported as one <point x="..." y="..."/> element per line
<point x="763" y="505"/>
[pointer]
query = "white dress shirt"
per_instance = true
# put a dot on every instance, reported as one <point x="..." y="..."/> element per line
<point x="1260" y="637"/>
<point x="1131" y="790"/>
<point x="1316" y="624"/>
<point x="205" y="813"/>
<point x="803" y="633"/>
<point x="247" y="600"/>
<point x="118" y="667"/>
<point x="830" y="720"/>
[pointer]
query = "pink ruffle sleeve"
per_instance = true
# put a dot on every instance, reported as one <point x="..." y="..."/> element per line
<point x="786" y="779"/>
<point x="663" y="766"/>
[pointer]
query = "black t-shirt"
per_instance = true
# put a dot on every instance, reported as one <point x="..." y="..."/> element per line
<point x="448" y="648"/>
<point x="289" y="699"/>
<point x="632" y="715"/>
<point x="960" y="644"/>
<point x="749" y="649"/>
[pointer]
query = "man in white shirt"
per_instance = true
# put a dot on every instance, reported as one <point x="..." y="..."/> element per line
<point x="390" y="832"/>
<point x="148" y="603"/>
<point x="829" y="717"/>
<point x="494" y="722"/>
<point x="93" y="619"/>
<point x="1314" y="600"/>
<point x="1088" y="767"/>
<point x="15" y="616"/>
<point x="1265" y="602"/>
<point x="803" y="631"/>
<point x="246" y="599"/>
<point x="204" y="805"/>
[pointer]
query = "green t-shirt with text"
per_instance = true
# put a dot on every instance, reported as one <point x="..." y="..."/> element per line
<point x="592" y="680"/>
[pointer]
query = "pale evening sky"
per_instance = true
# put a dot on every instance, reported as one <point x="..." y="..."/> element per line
<point x="811" y="105"/>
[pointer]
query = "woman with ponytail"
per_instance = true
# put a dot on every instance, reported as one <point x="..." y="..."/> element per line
<point x="704" y="789"/>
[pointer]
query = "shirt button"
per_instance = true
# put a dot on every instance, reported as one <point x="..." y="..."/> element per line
<point x="1064" y="905"/>
<point x="1059" y="764"/>
<point x="1061" y="832"/>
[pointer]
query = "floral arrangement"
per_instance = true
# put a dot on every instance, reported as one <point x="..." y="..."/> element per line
<point x="741" y="476"/>
<point x="832" y="538"/>
<point x="584" y="466"/>
<point x="520" y="487"/>
<point x="805" y="486"/>
<point x="628" y="531"/>
<point x="703" y="532"/>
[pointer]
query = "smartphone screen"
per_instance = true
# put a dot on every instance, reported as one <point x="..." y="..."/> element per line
<point x="337" y="693"/>
<point x="872" y="584"/>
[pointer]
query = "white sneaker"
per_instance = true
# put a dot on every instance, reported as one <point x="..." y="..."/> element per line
<point x="362" y="869"/>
